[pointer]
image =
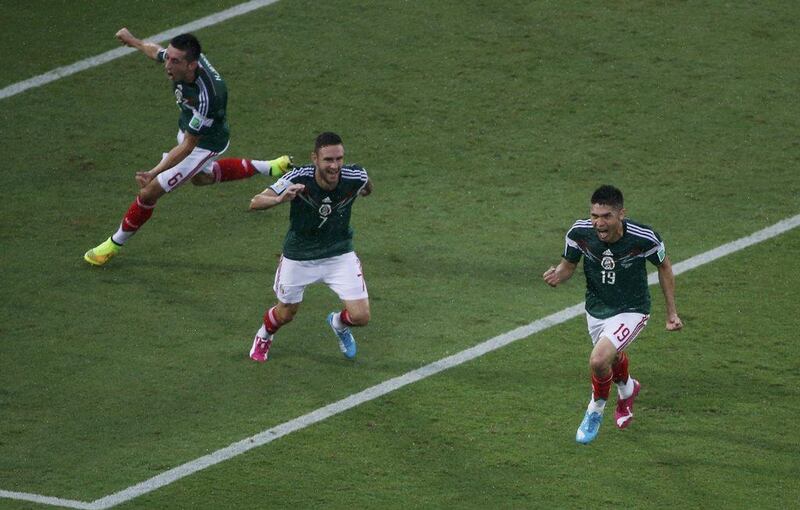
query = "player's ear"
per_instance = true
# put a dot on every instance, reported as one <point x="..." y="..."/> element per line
<point x="622" y="214"/>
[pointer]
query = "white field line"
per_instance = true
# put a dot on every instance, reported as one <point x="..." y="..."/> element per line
<point x="88" y="63"/>
<point x="385" y="387"/>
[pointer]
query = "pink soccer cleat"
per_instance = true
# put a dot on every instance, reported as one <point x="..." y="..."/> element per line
<point x="260" y="350"/>
<point x="623" y="414"/>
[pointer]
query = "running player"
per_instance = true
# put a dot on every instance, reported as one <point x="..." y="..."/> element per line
<point x="614" y="250"/>
<point x="319" y="244"/>
<point x="203" y="135"/>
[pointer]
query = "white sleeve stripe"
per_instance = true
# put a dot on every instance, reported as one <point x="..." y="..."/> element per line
<point x="644" y="233"/>
<point x="204" y="102"/>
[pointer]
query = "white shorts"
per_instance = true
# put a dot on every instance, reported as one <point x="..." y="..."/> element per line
<point x="621" y="329"/>
<point x="341" y="273"/>
<point x="199" y="160"/>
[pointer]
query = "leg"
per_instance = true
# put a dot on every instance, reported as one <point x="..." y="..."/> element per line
<point x="274" y="318"/>
<point x="142" y="207"/>
<point x="234" y="169"/>
<point x="346" y="278"/>
<point x="137" y="215"/>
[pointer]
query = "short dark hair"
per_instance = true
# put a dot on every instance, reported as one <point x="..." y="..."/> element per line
<point x="608" y="195"/>
<point x="325" y="139"/>
<point x="189" y="44"/>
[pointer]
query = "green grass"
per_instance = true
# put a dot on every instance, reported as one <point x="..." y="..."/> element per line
<point x="485" y="127"/>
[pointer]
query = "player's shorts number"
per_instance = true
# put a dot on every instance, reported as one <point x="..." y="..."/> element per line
<point x="175" y="179"/>
<point x="622" y="332"/>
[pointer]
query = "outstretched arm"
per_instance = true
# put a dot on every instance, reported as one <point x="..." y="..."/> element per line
<point x="560" y="274"/>
<point x="268" y="199"/>
<point x="666" y="278"/>
<point x="150" y="49"/>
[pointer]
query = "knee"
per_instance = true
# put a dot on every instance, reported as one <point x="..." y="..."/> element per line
<point x="148" y="196"/>
<point x="599" y="364"/>
<point x="203" y="179"/>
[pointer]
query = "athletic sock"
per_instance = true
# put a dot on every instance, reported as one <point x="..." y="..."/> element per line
<point x="620" y="368"/>
<point x="232" y="169"/>
<point x="596" y="406"/>
<point x="621" y="377"/>
<point x="263" y="167"/>
<point x="137" y="215"/>
<point x="625" y="390"/>
<point x="341" y="320"/>
<point x="601" y="387"/>
<point x="271" y="322"/>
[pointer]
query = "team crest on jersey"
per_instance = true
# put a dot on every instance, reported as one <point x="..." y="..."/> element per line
<point x="325" y="210"/>
<point x="608" y="263"/>
<point x="179" y="94"/>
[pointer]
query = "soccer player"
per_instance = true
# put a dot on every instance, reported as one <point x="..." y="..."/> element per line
<point x="319" y="244"/>
<point x="614" y="250"/>
<point x="203" y="135"/>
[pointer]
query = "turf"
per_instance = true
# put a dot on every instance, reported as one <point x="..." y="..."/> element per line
<point x="485" y="128"/>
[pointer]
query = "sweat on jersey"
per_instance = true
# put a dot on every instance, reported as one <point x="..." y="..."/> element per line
<point x="616" y="273"/>
<point x="319" y="219"/>
<point x="203" y="104"/>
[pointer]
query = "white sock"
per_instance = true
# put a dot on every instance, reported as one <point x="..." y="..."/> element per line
<point x="337" y="322"/>
<point x="263" y="167"/>
<point x="120" y="236"/>
<point x="625" y="390"/>
<point x="596" y="406"/>
<point x="262" y="332"/>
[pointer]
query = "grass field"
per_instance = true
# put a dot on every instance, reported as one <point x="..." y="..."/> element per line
<point x="485" y="127"/>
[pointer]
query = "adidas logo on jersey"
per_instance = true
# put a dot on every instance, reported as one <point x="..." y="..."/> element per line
<point x="608" y="253"/>
<point x="326" y="200"/>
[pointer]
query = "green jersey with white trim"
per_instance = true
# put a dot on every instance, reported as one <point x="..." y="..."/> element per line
<point x="203" y="105"/>
<point x="320" y="219"/>
<point x="616" y="273"/>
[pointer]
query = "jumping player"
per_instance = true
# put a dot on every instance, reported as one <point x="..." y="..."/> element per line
<point x="203" y="135"/>
<point x="614" y="250"/>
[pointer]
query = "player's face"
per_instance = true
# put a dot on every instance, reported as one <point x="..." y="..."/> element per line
<point x="607" y="222"/>
<point x="329" y="161"/>
<point x="177" y="66"/>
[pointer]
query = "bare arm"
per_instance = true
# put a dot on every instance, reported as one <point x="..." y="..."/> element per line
<point x="367" y="189"/>
<point x="556" y="275"/>
<point x="268" y="199"/>
<point x="666" y="279"/>
<point x="175" y="156"/>
<point x="148" y="48"/>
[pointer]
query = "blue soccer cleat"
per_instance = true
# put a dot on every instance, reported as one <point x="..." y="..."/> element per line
<point x="347" y="344"/>
<point x="589" y="427"/>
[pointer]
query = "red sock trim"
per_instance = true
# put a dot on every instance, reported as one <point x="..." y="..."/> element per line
<point x="345" y="317"/>
<point x="620" y="368"/>
<point x="271" y="321"/>
<point x="601" y="386"/>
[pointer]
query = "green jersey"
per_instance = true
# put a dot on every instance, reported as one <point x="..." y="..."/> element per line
<point x="320" y="219"/>
<point x="203" y="105"/>
<point x="616" y="273"/>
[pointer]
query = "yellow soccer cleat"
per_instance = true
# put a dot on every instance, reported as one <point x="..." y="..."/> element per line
<point x="101" y="253"/>
<point x="280" y="166"/>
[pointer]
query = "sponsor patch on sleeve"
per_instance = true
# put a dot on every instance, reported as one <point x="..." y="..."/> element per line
<point x="196" y="123"/>
<point x="662" y="253"/>
<point x="280" y="185"/>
